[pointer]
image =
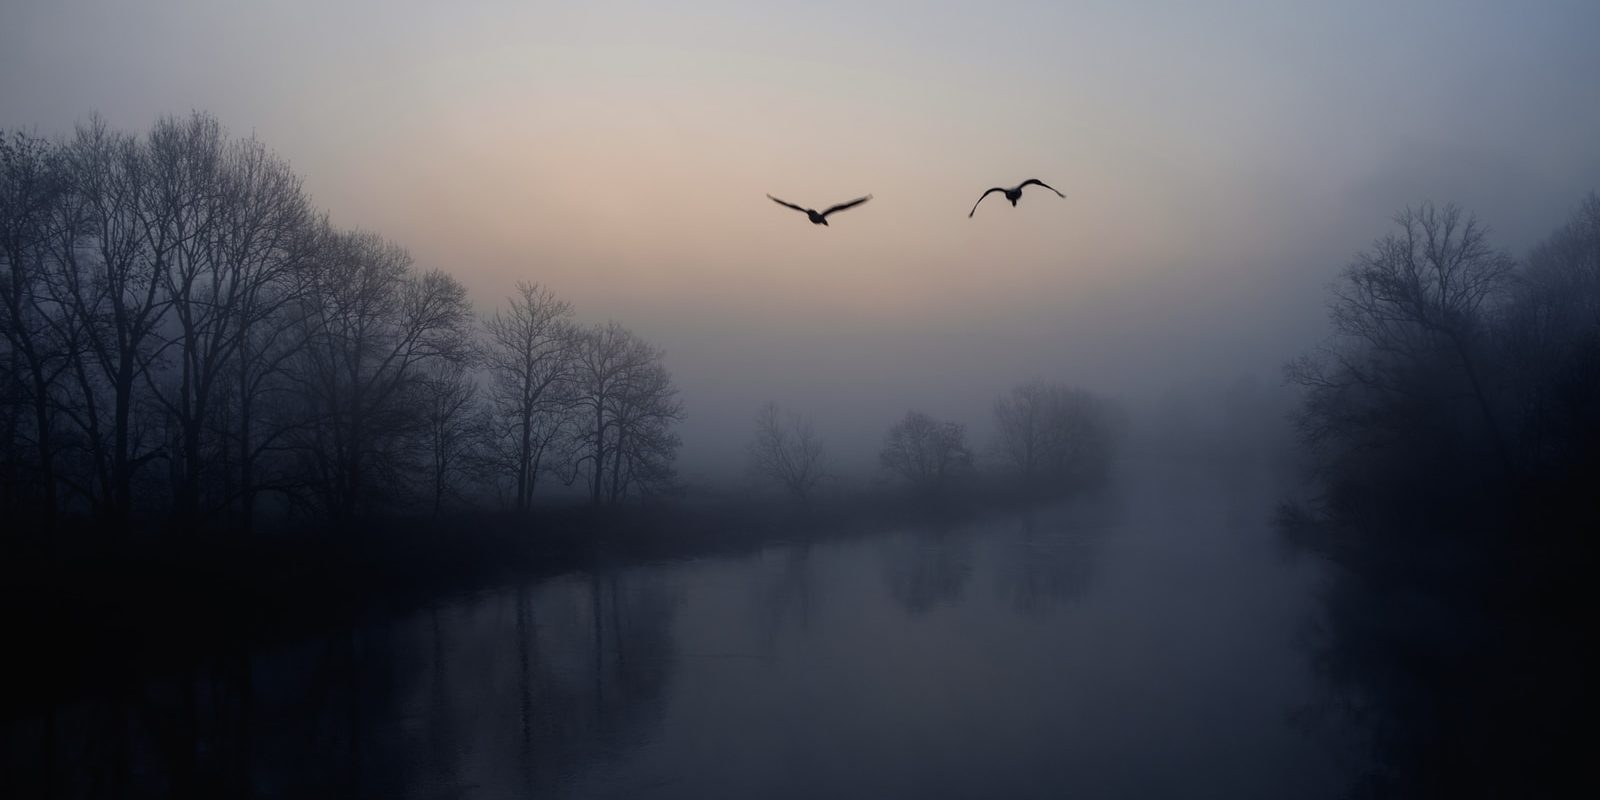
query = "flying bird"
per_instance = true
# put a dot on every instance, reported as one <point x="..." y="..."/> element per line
<point x="1013" y="194"/>
<point x="822" y="218"/>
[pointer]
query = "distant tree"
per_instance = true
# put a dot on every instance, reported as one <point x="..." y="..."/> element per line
<point x="925" y="451"/>
<point x="627" y="406"/>
<point x="788" y="452"/>
<point x="530" y="355"/>
<point x="1054" y="434"/>
<point x="647" y="445"/>
<point x="605" y="355"/>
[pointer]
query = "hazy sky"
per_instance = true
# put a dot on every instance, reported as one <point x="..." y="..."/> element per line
<point x="1221" y="161"/>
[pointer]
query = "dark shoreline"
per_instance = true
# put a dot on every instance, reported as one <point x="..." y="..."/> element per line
<point x="146" y="603"/>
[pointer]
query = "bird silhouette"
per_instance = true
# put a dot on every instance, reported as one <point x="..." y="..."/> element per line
<point x="821" y="218"/>
<point x="1013" y="194"/>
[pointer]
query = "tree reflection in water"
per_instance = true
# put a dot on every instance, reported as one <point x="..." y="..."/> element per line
<point x="1051" y="562"/>
<point x="437" y="703"/>
<point x="927" y="569"/>
<point x="1438" y="677"/>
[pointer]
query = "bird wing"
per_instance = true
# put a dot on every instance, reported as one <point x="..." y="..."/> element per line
<point x="791" y="205"/>
<point x="852" y="204"/>
<point x="980" y="200"/>
<point x="1037" y="182"/>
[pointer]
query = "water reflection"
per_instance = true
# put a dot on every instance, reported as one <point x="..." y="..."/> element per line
<point x="1051" y="563"/>
<point x="787" y="595"/>
<point x="1121" y="647"/>
<point x="927" y="569"/>
<point x="509" y="690"/>
<point x="1440" y="676"/>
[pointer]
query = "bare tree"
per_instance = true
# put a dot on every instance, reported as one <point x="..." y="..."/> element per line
<point x="1023" y="427"/>
<point x="173" y="300"/>
<point x="269" y="239"/>
<point x="788" y="451"/>
<point x="1551" y="348"/>
<point x="374" y="326"/>
<point x="1053" y="433"/>
<point x="628" y="405"/>
<point x="644" y="412"/>
<point x="1416" y="294"/>
<point x="600" y="355"/>
<point x="240" y="225"/>
<point x="925" y="451"/>
<point x="112" y="250"/>
<point x="530" y="356"/>
<point x="454" y="426"/>
<point x="31" y="190"/>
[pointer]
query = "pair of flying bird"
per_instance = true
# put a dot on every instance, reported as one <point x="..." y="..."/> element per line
<point x="821" y="217"/>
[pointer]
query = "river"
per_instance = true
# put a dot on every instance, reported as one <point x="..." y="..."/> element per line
<point x="1144" y="642"/>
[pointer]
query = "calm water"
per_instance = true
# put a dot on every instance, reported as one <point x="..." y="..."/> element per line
<point x="1145" y="644"/>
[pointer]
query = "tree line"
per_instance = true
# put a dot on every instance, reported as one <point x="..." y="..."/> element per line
<point x="188" y="339"/>
<point x="1049" y="439"/>
<point x="1453" y="419"/>
<point x="1458" y="377"/>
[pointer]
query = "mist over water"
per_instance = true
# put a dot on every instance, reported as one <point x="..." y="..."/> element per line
<point x="1143" y="642"/>
<point x="405" y="399"/>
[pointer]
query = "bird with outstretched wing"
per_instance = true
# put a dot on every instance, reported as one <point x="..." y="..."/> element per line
<point x="816" y="217"/>
<point x="1013" y="194"/>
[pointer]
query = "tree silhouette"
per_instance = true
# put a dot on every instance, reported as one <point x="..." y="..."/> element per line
<point x="1053" y="436"/>
<point x="788" y="452"/>
<point x="530" y="354"/>
<point x="925" y="451"/>
<point x="627" y="405"/>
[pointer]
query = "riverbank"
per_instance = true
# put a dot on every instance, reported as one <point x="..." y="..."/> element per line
<point x="78" y="603"/>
